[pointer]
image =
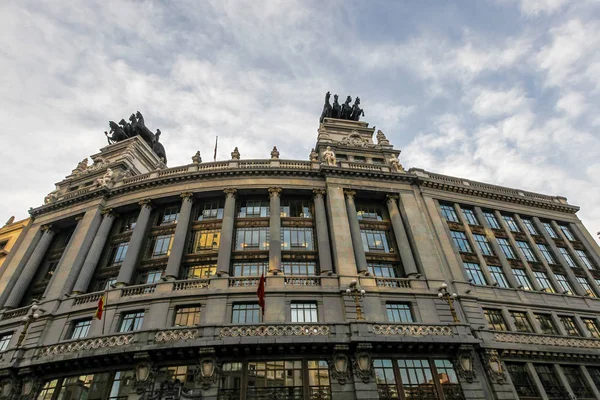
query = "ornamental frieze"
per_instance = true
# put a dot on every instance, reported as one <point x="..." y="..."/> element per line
<point x="413" y="330"/>
<point x="176" y="334"/>
<point x="279" y="330"/>
<point x="548" y="340"/>
<point x="89" y="344"/>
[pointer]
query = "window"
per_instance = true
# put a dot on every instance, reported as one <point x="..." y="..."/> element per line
<point x="299" y="268"/>
<point x="550" y="230"/>
<point x="265" y="377"/>
<point x="474" y="273"/>
<point x="205" y="240"/>
<point x="565" y="253"/>
<point x="521" y="380"/>
<point x="249" y="268"/>
<point x="491" y="220"/>
<point x="386" y="381"/>
<point x="449" y="213"/>
<point x="161" y="246"/>
<point x="183" y="373"/>
<point x="578" y="386"/>
<point x="564" y="284"/>
<point x="297" y="239"/>
<point x="506" y="249"/>
<point x="118" y="253"/>
<point x="318" y="379"/>
<point x="522" y="279"/>
<point x="383" y="270"/>
<point x="375" y="241"/>
<point x="526" y="250"/>
<point x="105" y="284"/>
<point x="569" y="324"/>
<point x="254" y="209"/>
<point x="252" y="239"/>
<point x="546" y="324"/>
<point x="378" y="161"/>
<point x="304" y="312"/>
<point x="169" y="216"/>
<point x="584" y="259"/>
<point x="187" y="316"/>
<point x="529" y="226"/>
<point x="483" y="244"/>
<point x="550" y="382"/>
<point x="460" y="240"/>
<point x="122" y="385"/>
<point x="370" y="212"/>
<point x="131" y="321"/>
<point x="546" y="253"/>
<point x="498" y="276"/>
<point x="5" y="340"/>
<point x="543" y="281"/>
<point x="47" y="392"/>
<point x="586" y="286"/>
<point x="521" y="322"/>
<point x="296" y="209"/>
<point x="592" y="326"/>
<point x="595" y="373"/>
<point x="470" y="216"/>
<point x="359" y="159"/>
<point x="150" y="277"/>
<point x="245" y="313"/>
<point x="495" y="319"/>
<point x="567" y="232"/>
<point x="199" y="271"/>
<point x="399" y="312"/>
<point x="80" y="328"/>
<point x="512" y="225"/>
<point x="212" y="209"/>
<point x="128" y="223"/>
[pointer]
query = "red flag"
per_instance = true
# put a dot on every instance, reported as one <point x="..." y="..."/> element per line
<point x="260" y="292"/>
<point x="101" y="307"/>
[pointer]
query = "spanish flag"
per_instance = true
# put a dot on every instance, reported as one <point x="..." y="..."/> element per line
<point x="261" y="293"/>
<point x="101" y="307"/>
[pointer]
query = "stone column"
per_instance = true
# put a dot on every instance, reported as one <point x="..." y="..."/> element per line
<point x="179" y="239"/>
<point x="275" y="230"/>
<point x="325" y="264"/>
<point x="93" y="256"/>
<point x="536" y="380"/>
<point x="135" y="245"/>
<point x="408" y="261"/>
<point x="564" y="382"/>
<point x="357" y="243"/>
<point x="587" y="378"/>
<point x="225" y="245"/>
<point x="26" y="278"/>
<point x="588" y="242"/>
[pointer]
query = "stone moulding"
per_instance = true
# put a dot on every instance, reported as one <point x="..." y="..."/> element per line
<point x="89" y="344"/>
<point x="548" y="340"/>
<point x="272" y="330"/>
<point x="413" y="330"/>
<point x="176" y="334"/>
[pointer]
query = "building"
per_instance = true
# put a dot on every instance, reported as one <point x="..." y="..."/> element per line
<point x="381" y="283"/>
<point x="10" y="239"/>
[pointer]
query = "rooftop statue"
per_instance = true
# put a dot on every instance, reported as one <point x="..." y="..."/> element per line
<point x="345" y="111"/>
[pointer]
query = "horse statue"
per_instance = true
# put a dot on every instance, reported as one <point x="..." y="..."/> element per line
<point x="346" y="109"/>
<point x="142" y="130"/>
<point x="357" y="112"/>
<point x="117" y="133"/>
<point x="126" y="126"/>
<point x="158" y="148"/>
<point x="336" y="109"/>
<point x="326" y="108"/>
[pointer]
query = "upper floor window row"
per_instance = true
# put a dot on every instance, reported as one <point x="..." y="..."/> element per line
<point x="550" y="230"/>
<point x="567" y="232"/>
<point x="491" y="219"/>
<point x="460" y="240"/>
<point x="375" y="241"/>
<point x="529" y="226"/>
<point x="512" y="224"/>
<point x="371" y="212"/>
<point x="168" y="216"/>
<point x="254" y="209"/>
<point x="470" y="216"/>
<point x="449" y="213"/>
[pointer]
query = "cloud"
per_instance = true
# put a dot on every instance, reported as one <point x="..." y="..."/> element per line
<point x="489" y="103"/>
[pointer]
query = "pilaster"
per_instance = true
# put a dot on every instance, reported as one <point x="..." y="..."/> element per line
<point x="135" y="244"/>
<point x="225" y="245"/>
<point x="357" y="244"/>
<point x="406" y="255"/>
<point x="323" y="245"/>
<point x="274" y="230"/>
<point x="179" y="239"/>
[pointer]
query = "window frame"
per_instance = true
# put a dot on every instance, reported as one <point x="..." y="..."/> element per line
<point x="137" y="320"/>
<point x="398" y="311"/>
<point x="449" y="213"/>
<point x="304" y="312"/>
<point x="461" y="243"/>
<point x="475" y="273"/>
<point x="82" y="331"/>
<point x="236" y="313"/>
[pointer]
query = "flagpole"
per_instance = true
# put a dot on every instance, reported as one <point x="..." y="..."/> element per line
<point x="216" y="142"/>
<point x="104" y="308"/>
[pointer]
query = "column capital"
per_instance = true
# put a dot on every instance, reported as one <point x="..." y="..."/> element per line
<point x="145" y="203"/>
<point x="392" y="198"/>
<point x="274" y="191"/>
<point x="230" y="192"/>
<point x="319" y="192"/>
<point x="47" y="228"/>
<point x="349" y="193"/>
<point x="79" y="217"/>
<point x="186" y="196"/>
<point x="108" y="212"/>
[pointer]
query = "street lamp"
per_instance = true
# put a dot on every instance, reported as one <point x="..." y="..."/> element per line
<point x="35" y="312"/>
<point x="449" y="298"/>
<point x="357" y="293"/>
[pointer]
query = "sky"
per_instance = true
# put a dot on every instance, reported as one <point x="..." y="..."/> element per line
<point x="499" y="91"/>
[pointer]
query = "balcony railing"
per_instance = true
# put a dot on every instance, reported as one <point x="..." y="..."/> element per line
<point x="138" y="290"/>
<point x="16" y="313"/>
<point x="87" y="298"/>
<point x="393" y="282"/>
<point x="191" y="284"/>
<point x="243" y="281"/>
<point x="302" y="280"/>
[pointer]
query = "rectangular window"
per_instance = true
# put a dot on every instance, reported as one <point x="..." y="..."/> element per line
<point x="546" y="253"/>
<point x="150" y="277"/>
<point x="199" y="271"/>
<point x="370" y="212"/>
<point x="386" y="381"/>
<point x="296" y="209"/>
<point x="578" y="386"/>
<point x="506" y="248"/>
<point x="383" y="270"/>
<point x="212" y="209"/>
<point x="375" y="241"/>
<point x="118" y="253"/>
<point x="304" y="312"/>
<point x="550" y="382"/>
<point x="252" y="239"/>
<point x="184" y="373"/>
<point x="299" y="268"/>
<point x="47" y="392"/>
<point x="105" y="284"/>
<point x="586" y="286"/>
<point x="483" y="245"/>
<point x="128" y="223"/>
<point x="265" y="377"/>
<point x="546" y="324"/>
<point x="245" y="313"/>
<point x="543" y="281"/>
<point x="470" y="216"/>
<point x="512" y="225"/>
<point x="169" y="216"/>
<point x="491" y="220"/>
<point x="84" y="387"/>
<point x="419" y="379"/>
<point x="550" y="230"/>
<point x="567" y="232"/>
<point x="318" y="379"/>
<point x="205" y="240"/>
<point x="122" y="385"/>
<point x="187" y="316"/>
<point x="131" y="321"/>
<point x="499" y="276"/>
<point x="399" y="312"/>
<point x="161" y="246"/>
<point x="584" y="259"/>
<point x="5" y="340"/>
<point x="522" y="279"/>
<point x="80" y="328"/>
<point x="522" y="381"/>
<point x="460" y="240"/>
<point x="521" y="321"/>
<point x="249" y="268"/>
<point x="529" y="226"/>
<point x="569" y="324"/>
<point x="592" y="326"/>
<point x="449" y="213"/>
<point x="526" y="250"/>
<point x="564" y="284"/>
<point x="474" y="273"/>
<point x="297" y="239"/>
<point x="565" y="253"/>
<point x="254" y="209"/>
<point x="495" y="319"/>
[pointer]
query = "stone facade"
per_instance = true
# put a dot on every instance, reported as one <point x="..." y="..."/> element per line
<point x="381" y="282"/>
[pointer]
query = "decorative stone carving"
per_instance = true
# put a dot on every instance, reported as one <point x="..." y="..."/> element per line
<point x="314" y="156"/>
<point x="176" y="334"/>
<point x="89" y="344"/>
<point x="208" y="371"/>
<point x="339" y="364"/>
<point x="354" y="140"/>
<point x="136" y="127"/>
<point x="363" y="362"/>
<point x="275" y="330"/>
<point x="29" y="384"/>
<point x="274" y="191"/>
<point x="329" y="156"/>
<point x="395" y="164"/>
<point x="9" y="386"/>
<point x="144" y="373"/>
<point x="381" y="139"/>
<point x="52" y="196"/>
<point x="106" y="179"/>
<point x="493" y="366"/>
<point x="82" y="166"/>
<point x="545" y="340"/>
<point x="196" y="158"/>
<point x="274" y="153"/>
<point x="235" y="154"/>
<point x="413" y="330"/>
<point x="464" y="363"/>
<point x="327" y="109"/>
